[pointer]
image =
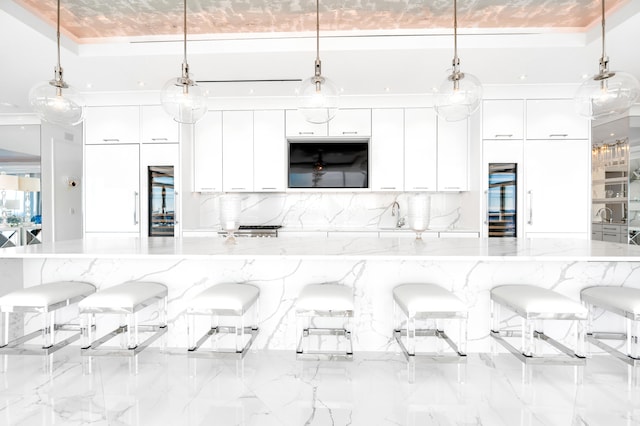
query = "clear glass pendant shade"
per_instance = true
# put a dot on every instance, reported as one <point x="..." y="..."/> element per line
<point x="184" y="101"/>
<point x="318" y="99"/>
<point x="600" y="96"/>
<point x="57" y="105"/>
<point x="455" y="102"/>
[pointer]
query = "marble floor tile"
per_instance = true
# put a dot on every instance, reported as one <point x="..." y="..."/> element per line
<point x="271" y="388"/>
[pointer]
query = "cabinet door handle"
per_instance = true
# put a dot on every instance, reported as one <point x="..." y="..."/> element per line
<point x="558" y="135"/>
<point x="486" y="199"/>
<point x="175" y="208"/>
<point x="530" y="207"/>
<point x="350" y="133"/>
<point x="422" y="188"/>
<point x="306" y="133"/>
<point x="505" y="136"/>
<point x="238" y="189"/>
<point x="268" y="188"/>
<point x="452" y="187"/>
<point x="207" y="189"/>
<point x="135" y="207"/>
<point x="111" y="140"/>
<point x="159" y="139"/>
<point x="387" y="187"/>
<point x="610" y="235"/>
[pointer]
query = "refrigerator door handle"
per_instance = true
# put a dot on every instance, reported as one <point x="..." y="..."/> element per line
<point x="135" y="207"/>
<point x="486" y="200"/>
<point x="530" y="222"/>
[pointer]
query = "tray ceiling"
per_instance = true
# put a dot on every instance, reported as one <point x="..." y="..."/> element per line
<point x="91" y="20"/>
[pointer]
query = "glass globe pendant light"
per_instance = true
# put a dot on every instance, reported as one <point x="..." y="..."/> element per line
<point x="608" y="92"/>
<point x="460" y="94"/>
<point x="318" y="96"/>
<point x="55" y="101"/>
<point x="181" y="97"/>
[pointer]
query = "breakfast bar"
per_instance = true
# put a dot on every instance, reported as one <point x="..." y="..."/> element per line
<point x="280" y="268"/>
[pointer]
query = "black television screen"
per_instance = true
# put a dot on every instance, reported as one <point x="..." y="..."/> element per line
<point x="328" y="164"/>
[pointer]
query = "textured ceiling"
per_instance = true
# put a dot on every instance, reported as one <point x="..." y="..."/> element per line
<point x="91" y="20"/>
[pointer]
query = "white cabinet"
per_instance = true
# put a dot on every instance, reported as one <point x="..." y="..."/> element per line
<point x="269" y="151"/>
<point x="112" y="124"/>
<point x="453" y="155"/>
<point x="207" y="153"/>
<point x="112" y="188"/>
<point x="420" y="149"/>
<point x="297" y="126"/>
<point x="387" y="146"/>
<point x="556" y="186"/>
<point x="237" y="151"/>
<point x="503" y="119"/>
<point x="158" y="126"/>
<point x="351" y="122"/>
<point x="555" y="119"/>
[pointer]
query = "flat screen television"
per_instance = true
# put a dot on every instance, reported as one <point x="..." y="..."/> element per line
<point x="329" y="164"/>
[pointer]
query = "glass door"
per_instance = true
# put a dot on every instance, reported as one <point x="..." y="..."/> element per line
<point x="502" y="200"/>
<point x="161" y="201"/>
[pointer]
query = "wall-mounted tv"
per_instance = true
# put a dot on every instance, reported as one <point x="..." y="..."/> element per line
<point x="329" y="164"/>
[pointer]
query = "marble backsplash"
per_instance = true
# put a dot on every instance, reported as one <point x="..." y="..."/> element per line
<point x="331" y="210"/>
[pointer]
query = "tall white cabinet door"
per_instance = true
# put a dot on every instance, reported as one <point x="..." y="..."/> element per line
<point x="112" y="188"/>
<point x="503" y="119"/>
<point x="387" y="147"/>
<point x="351" y="122"/>
<point x="298" y="127"/>
<point x="557" y="186"/>
<point x="207" y="153"/>
<point x="112" y="124"/>
<point x="269" y="151"/>
<point x="453" y="155"/>
<point x="157" y="125"/>
<point x="420" y="149"/>
<point x="555" y="119"/>
<point x="237" y="151"/>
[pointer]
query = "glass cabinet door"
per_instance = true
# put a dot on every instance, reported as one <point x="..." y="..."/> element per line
<point x="501" y="200"/>
<point x="161" y="201"/>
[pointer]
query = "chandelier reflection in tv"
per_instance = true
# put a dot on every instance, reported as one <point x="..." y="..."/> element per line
<point x="315" y="164"/>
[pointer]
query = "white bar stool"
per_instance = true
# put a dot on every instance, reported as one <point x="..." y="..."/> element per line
<point x="226" y="299"/>
<point x="424" y="302"/>
<point x="621" y="301"/>
<point x="44" y="299"/>
<point x="126" y="299"/>
<point x="329" y="301"/>
<point x="535" y="304"/>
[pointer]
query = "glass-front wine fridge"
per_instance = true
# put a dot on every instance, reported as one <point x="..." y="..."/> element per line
<point x="502" y="200"/>
<point x="162" y="205"/>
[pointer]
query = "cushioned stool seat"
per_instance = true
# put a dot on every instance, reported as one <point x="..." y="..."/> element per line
<point x="534" y="304"/>
<point x="126" y="299"/>
<point x="44" y="299"/>
<point x="429" y="301"/>
<point x="229" y="300"/>
<point x="324" y="300"/>
<point x="621" y="301"/>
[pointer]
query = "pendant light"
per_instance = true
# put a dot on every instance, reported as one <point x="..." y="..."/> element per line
<point x="181" y="97"/>
<point x="55" y="101"/>
<point x="608" y="92"/>
<point x="318" y="96"/>
<point x="460" y="94"/>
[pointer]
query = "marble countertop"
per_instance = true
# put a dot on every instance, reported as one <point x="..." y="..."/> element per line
<point x="495" y="249"/>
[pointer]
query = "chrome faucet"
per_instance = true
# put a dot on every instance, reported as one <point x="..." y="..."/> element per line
<point x="395" y="211"/>
<point x="605" y="209"/>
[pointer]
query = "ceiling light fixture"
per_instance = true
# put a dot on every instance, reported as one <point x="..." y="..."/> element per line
<point x="181" y="97"/>
<point x="318" y="96"/>
<point x="608" y="92"/>
<point x="460" y="94"/>
<point x="55" y="101"/>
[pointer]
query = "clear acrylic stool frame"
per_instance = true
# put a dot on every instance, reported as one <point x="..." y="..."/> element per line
<point x="239" y="330"/>
<point x="49" y="346"/>
<point x="411" y="332"/>
<point x="128" y="325"/>
<point x="532" y="328"/>
<point x="303" y="331"/>
<point x="632" y="326"/>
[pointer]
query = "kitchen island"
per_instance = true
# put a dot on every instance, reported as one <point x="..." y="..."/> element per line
<point x="371" y="266"/>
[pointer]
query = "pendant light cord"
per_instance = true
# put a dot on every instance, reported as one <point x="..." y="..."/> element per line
<point x="58" y="34"/>
<point x="318" y="30"/>
<point x="184" y="26"/>
<point x="455" y="32"/>
<point x="604" y="60"/>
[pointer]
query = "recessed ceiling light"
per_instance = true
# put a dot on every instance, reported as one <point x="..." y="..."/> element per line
<point x="251" y="91"/>
<point x="387" y="89"/>
<point x="89" y="85"/>
<point x="612" y="134"/>
<point x="523" y="76"/>
<point x="585" y="76"/>
<point x="141" y="83"/>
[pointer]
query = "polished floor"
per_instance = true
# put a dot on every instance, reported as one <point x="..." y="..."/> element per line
<point x="272" y="388"/>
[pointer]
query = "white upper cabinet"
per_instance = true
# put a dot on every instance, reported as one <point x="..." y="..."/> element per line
<point x="269" y="151"/>
<point x="420" y="149"/>
<point x="453" y="155"/>
<point x="158" y="126"/>
<point x="555" y="119"/>
<point x="112" y="124"/>
<point x="387" y="147"/>
<point x="503" y="119"/>
<point x="351" y="122"/>
<point x="237" y="151"/>
<point x="298" y="127"/>
<point x="207" y="153"/>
